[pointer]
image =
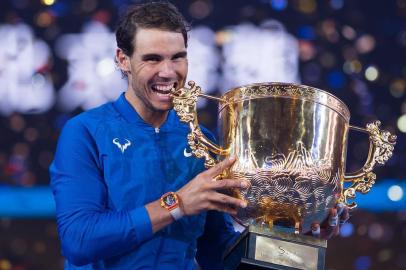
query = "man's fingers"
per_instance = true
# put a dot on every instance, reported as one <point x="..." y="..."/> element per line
<point x="223" y="208"/>
<point x="332" y="227"/>
<point x="315" y="228"/>
<point x="343" y="213"/>
<point x="218" y="168"/>
<point x="219" y="198"/>
<point x="228" y="183"/>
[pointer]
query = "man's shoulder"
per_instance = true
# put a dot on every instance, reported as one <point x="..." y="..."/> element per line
<point x="93" y="118"/>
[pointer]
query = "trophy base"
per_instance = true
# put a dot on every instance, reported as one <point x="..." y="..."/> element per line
<point x="279" y="249"/>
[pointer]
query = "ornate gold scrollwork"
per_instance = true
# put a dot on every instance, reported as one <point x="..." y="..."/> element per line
<point x="184" y="101"/>
<point x="380" y="150"/>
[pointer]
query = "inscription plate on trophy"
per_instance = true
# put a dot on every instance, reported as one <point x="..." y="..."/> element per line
<point x="286" y="253"/>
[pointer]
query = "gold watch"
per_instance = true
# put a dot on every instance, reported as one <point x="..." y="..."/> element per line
<point x="171" y="202"/>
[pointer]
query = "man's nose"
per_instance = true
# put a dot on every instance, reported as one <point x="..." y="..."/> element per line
<point x="166" y="69"/>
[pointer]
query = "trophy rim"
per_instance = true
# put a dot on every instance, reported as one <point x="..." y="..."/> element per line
<point x="286" y="90"/>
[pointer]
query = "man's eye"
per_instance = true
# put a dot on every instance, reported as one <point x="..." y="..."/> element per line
<point x="152" y="60"/>
<point x="179" y="57"/>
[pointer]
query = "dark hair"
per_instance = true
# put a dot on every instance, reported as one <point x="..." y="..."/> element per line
<point x="160" y="15"/>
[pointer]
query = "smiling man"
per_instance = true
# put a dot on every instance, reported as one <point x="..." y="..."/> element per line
<point x="157" y="64"/>
<point x="128" y="193"/>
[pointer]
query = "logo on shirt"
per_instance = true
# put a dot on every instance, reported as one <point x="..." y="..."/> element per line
<point x="186" y="153"/>
<point x="120" y="146"/>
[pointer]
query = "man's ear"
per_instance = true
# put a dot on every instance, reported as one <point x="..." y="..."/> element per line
<point x="123" y="61"/>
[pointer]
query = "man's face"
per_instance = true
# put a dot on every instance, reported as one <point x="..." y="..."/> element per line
<point x="158" y="63"/>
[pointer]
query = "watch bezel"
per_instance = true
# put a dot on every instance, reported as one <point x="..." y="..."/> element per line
<point x="167" y="206"/>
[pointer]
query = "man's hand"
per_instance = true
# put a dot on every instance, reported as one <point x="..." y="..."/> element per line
<point x="338" y="216"/>
<point x="201" y="193"/>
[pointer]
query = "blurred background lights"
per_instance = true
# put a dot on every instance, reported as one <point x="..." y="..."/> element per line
<point x="336" y="4"/>
<point x="397" y="88"/>
<point x="349" y="53"/>
<point x="307" y="51"/>
<point x="202" y="49"/>
<point x="273" y="55"/>
<point x="307" y="6"/>
<point x="328" y="29"/>
<point x="353" y="66"/>
<point x="363" y="263"/>
<point x="44" y="19"/>
<point x="306" y="32"/>
<point x="200" y="9"/>
<point x="48" y="2"/>
<point x="371" y="73"/>
<point x="5" y="264"/>
<point x="375" y="231"/>
<point x="346" y="230"/>
<point x="348" y="32"/>
<point x="105" y="67"/>
<point x="402" y="38"/>
<point x="336" y="79"/>
<point x="327" y="59"/>
<point x="395" y="193"/>
<point x="223" y="36"/>
<point x="279" y="4"/>
<point x="385" y="255"/>
<point x="365" y="44"/>
<point x="24" y="65"/>
<point x="402" y="123"/>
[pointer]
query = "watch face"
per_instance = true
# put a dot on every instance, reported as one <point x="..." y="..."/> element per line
<point x="170" y="200"/>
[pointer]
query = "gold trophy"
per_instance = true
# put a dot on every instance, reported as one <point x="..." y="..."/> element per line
<point x="290" y="142"/>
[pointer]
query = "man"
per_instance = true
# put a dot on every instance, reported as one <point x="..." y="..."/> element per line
<point x="128" y="194"/>
<point x="114" y="165"/>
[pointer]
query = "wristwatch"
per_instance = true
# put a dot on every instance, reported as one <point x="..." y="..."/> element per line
<point x="170" y="201"/>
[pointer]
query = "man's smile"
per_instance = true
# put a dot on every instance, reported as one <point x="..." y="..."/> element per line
<point x="163" y="89"/>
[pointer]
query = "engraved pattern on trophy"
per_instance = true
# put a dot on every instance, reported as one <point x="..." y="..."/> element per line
<point x="287" y="188"/>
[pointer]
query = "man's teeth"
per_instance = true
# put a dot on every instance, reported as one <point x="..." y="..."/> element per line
<point x="164" y="89"/>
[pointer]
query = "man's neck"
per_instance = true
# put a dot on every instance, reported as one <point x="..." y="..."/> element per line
<point x="152" y="117"/>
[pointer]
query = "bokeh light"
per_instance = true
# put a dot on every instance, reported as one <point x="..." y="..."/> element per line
<point x="371" y="73"/>
<point x="402" y="123"/>
<point x="395" y="193"/>
<point x="397" y="88"/>
<point x="363" y="263"/>
<point x="279" y="4"/>
<point x="365" y="44"/>
<point x="346" y="230"/>
<point x="48" y="2"/>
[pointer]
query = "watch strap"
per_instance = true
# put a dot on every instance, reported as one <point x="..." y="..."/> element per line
<point x="176" y="213"/>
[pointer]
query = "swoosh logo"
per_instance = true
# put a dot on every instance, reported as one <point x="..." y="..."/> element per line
<point x="186" y="153"/>
<point x="120" y="146"/>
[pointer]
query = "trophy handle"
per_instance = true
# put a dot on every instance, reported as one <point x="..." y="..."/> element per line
<point x="184" y="102"/>
<point x="381" y="145"/>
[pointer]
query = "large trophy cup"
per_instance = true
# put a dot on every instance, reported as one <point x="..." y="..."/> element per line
<point x="290" y="142"/>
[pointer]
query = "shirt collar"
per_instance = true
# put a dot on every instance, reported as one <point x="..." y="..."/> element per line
<point x="131" y="115"/>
